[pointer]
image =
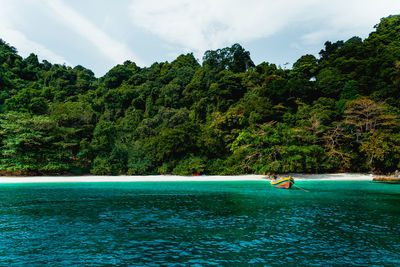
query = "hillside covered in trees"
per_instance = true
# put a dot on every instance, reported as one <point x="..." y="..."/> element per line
<point x="338" y="112"/>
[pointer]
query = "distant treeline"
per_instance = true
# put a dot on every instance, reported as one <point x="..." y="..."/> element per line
<point x="338" y="112"/>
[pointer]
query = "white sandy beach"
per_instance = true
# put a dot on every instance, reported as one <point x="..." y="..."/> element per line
<point x="334" y="177"/>
<point x="172" y="178"/>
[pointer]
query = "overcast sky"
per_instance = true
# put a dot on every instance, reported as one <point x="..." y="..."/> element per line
<point x="100" y="34"/>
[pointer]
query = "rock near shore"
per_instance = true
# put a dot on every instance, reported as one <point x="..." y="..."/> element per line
<point x="386" y="179"/>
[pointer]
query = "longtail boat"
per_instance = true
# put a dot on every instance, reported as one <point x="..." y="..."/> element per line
<point x="283" y="182"/>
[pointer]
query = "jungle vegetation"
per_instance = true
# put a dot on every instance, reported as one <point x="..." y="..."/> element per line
<point x="337" y="112"/>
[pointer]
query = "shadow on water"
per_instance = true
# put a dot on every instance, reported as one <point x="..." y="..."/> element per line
<point x="199" y="223"/>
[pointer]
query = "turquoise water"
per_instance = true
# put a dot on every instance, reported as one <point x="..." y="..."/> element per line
<point x="200" y="223"/>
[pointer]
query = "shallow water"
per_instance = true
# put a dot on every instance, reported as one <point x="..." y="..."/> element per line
<point x="200" y="223"/>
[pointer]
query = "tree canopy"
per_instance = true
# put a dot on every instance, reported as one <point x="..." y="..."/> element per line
<point x="337" y="112"/>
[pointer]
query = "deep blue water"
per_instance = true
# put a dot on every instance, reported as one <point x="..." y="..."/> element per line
<point x="200" y="223"/>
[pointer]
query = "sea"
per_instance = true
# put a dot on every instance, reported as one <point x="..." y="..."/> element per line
<point x="235" y="223"/>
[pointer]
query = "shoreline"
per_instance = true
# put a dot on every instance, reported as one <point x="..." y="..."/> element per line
<point x="175" y="178"/>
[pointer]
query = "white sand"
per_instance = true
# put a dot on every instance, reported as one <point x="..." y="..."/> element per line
<point x="172" y="178"/>
<point x="334" y="177"/>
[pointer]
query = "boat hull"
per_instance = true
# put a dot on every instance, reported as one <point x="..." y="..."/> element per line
<point x="285" y="183"/>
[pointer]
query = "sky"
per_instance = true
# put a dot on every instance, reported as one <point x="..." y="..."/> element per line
<point x="101" y="34"/>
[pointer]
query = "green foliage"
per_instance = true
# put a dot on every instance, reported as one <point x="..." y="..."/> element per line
<point x="138" y="162"/>
<point x="32" y="144"/>
<point x="306" y="66"/>
<point x="234" y="58"/>
<point x="112" y="163"/>
<point x="189" y="166"/>
<point x="119" y="73"/>
<point x="174" y="143"/>
<point x="338" y="112"/>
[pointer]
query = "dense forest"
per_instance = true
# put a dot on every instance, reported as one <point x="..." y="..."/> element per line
<point x="338" y="112"/>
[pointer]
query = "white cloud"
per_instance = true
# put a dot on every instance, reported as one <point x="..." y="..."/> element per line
<point x="211" y="24"/>
<point x="26" y="46"/>
<point x="9" y="18"/>
<point x="342" y="19"/>
<point x="115" y="51"/>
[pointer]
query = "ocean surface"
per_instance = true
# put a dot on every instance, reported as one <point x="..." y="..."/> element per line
<point x="200" y="223"/>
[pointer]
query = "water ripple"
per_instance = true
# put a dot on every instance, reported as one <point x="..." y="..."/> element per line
<point x="180" y="224"/>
